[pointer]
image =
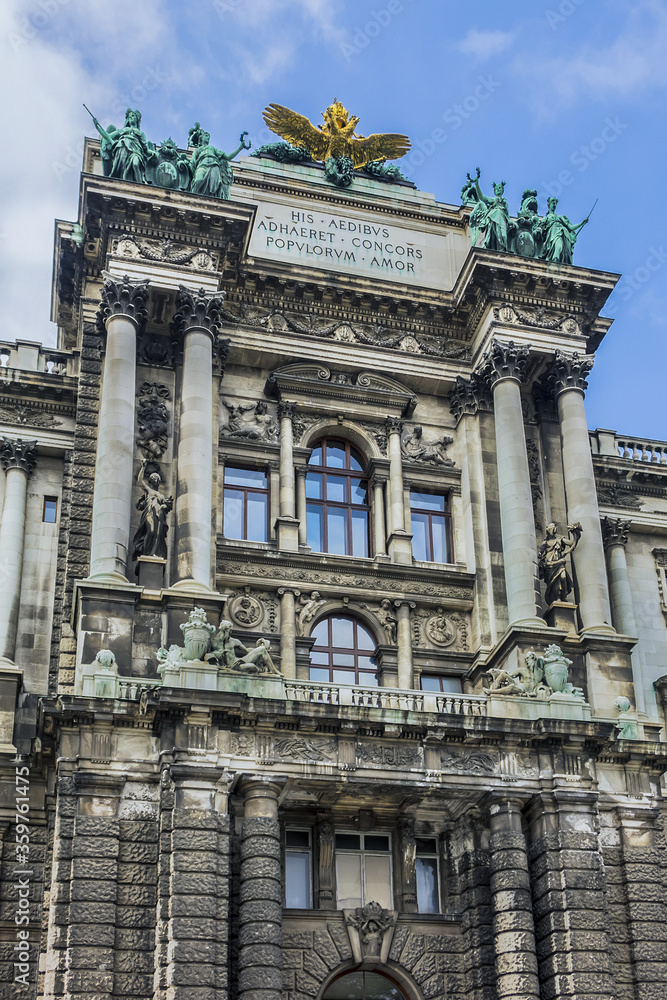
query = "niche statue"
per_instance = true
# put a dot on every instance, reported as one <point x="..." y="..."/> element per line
<point x="552" y="560"/>
<point x="150" y="538"/>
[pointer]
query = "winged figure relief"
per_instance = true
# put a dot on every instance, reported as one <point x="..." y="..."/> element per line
<point x="336" y="137"/>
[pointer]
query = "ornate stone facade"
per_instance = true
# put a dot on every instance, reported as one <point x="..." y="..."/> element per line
<point x="323" y="719"/>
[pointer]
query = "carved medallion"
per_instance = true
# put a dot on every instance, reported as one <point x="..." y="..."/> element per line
<point x="440" y="630"/>
<point x="245" y="610"/>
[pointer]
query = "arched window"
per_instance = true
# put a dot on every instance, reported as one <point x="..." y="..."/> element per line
<point x="338" y="509"/>
<point x="363" y="986"/>
<point x="343" y="652"/>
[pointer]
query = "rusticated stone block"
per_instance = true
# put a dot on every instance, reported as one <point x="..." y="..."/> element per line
<point x="325" y="949"/>
<point x="93" y="891"/>
<point x="292" y="959"/>
<point x="340" y="938"/>
<point x="199" y="951"/>
<point x="433" y="987"/>
<point x="133" y="961"/>
<point x="307" y="985"/>
<point x="97" y="826"/>
<point x="92" y="914"/>
<point x="189" y="884"/>
<point x="259" y="911"/>
<point x="268" y="955"/>
<point x="260" y="847"/>
<point x="89" y="981"/>
<point x="425" y="967"/>
<point x="140" y="917"/>
<point x="192" y="928"/>
<point x="313" y="965"/>
<point x="401" y="935"/>
<point x="413" y="951"/>
<point x="194" y="819"/>
<point x="194" y="861"/>
<point x="136" y="852"/>
<point x="189" y="974"/>
<point x="266" y="933"/>
<point x="205" y="840"/>
<point x="260" y="888"/>
<point x="94" y="868"/>
<point x="136" y="895"/>
<point x="509" y="900"/>
<point x="255" y="978"/>
<point x="135" y="939"/>
<point x="260" y="827"/>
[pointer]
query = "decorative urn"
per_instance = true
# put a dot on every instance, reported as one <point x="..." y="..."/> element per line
<point x="556" y="667"/>
<point x="197" y="634"/>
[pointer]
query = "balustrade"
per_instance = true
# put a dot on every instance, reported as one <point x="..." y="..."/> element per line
<point x="321" y="693"/>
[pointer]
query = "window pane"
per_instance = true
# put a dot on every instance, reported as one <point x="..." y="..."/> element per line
<point x="364" y="639"/>
<point x="359" y="489"/>
<point x="316" y="657"/>
<point x="348" y="841"/>
<point x="316" y="456"/>
<point x="430" y="683"/>
<point x="439" y="529"/>
<point x="297" y="838"/>
<point x="378" y="880"/>
<point x="359" y="532"/>
<point x="336" y="488"/>
<point x="451" y="684"/>
<point x="419" y="523"/>
<point x="342" y="632"/>
<point x="427" y="501"/>
<point x="257" y="508"/>
<point x="245" y="477"/>
<point x="425" y="845"/>
<point x="50" y="510"/>
<point x="368" y="680"/>
<point x="366" y="663"/>
<point x="233" y="514"/>
<point x="348" y="880"/>
<point x="343" y="659"/>
<point x="320" y="674"/>
<point x="337" y="531"/>
<point x="356" y="461"/>
<point x="344" y="677"/>
<point x="321" y="633"/>
<point x="314" y="527"/>
<point x="376" y="842"/>
<point x="363" y="986"/>
<point x="313" y="485"/>
<point x="335" y="457"/>
<point x="427" y="885"/>
<point x="297" y="879"/>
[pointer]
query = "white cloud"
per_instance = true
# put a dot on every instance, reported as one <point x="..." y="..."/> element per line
<point x="483" y="44"/>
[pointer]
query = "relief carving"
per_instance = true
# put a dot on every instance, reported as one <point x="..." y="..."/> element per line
<point x="153" y="419"/>
<point x="440" y="629"/>
<point x="307" y="612"/>
<point x="245" y="610"/>
<point x="252" y="421"/>
<point x="379" y="755"/>
<point x="470" y="761"/>
<point x="371" y="929"/>
<point x="415" y="449"/>
<point x="27" y="415"/>
<point x="163" y="250"/>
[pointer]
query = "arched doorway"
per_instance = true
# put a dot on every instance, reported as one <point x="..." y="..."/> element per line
<point x="358" y="985"/>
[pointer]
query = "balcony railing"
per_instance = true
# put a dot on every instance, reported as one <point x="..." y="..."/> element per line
<point x="631" y="449"/>
<point x="320" y="693"/>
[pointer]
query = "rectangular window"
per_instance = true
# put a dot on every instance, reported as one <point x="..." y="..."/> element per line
<point x="298" y="868"/>
<point x="430" y="518"/>
<point x="363" y="870"/>
<point x="246" y="504"/>
<point x="426" y="864"/>
<point x="441" y="682"/>
<point x="50" y="512"/>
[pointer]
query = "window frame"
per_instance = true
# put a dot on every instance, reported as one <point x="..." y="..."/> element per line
<point x="348" y="505"/>
<point x="359" y="673"/>
<point x="255" y="490"/>
<point x="363" y="852"/>
<point x="435" y="854"/>
<point x="54" y="500"/>
<point x="440" y="678"/>
<point x="445" y="515"/>
<point x="292" y="828"/>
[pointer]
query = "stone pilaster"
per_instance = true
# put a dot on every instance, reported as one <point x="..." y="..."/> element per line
<point x="377" y="485"/>
<point x="400" y="541"/>
<point x="504" y="368"/>
<point x="18" y="460"/>
<point x="301" y="471"/>
<point x="567" y="383"/>
<point x="407" y="854"/>
<point x="287" y="633"/>
<point x="615" y="533"/>
<point x="195" y="326"/>
<point x="569" y="898"/>
<point x="123" y="314"/>
<point x="326" y="895"/>
<point x="513" y="927"/>
<point x="287" y="528"/>
<point x="404" y="644"/>
<point x="260" y="911"/>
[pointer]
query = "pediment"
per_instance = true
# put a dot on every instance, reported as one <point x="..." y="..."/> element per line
<point x="305" y="381"/>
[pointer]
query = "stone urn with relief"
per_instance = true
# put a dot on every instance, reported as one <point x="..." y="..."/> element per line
<point x="197" y="634"/>
<point x="556" y="668"/>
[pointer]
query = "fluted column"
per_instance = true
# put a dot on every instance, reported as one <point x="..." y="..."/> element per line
<point x="260" y="909"/>
<point x="379" y="529"/>
<point x="504" y="368"/>
<point x="567" y="382"/>
<point x="195" y="326"/>
<point x="400" y="541"/>
<point x="404" y="644"/>
<point x="18" y="461"/>
<point x="513" y="925"/>
<point x="287" y="633"/>
<point x="288" y="526"/>
<point x="123" y="314"/>
<point x="301" y="472"/>
<point x="615" y="531"/>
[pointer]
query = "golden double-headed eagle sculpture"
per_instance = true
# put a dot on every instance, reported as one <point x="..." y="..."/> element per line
<point x="336" y="137"/>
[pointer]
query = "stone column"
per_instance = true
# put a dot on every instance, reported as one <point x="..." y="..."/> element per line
<point x="288" y="526"/>
<point x="301" y="471"/>
<point x="504" y="368"/>
<point x="475" y="903"/>
<point x="123" y="314"/>
<point x="400" y="541"/>
<point x="326" y="895"/>
<point x="404" y="643"/>
<point x="513" y="927"/>
<point x="18" y="461"/>
<point x="260" y="897"/>
<point x="567" y="382"/>
<point x="195" y="327"/>
<point x="407" y="853"/>
<point x="287" y="633"/>
<point x="615" y="531"/>
<point x="379" y="529"/>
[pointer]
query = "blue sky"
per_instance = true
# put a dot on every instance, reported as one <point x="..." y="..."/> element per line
<point x="564" y="95"/>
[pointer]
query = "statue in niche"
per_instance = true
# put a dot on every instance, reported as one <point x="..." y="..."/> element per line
<point x="150" y="538"/>
<point x="252" y="421"/>
<point x="153" y="419"/>
<point x="552" y="560"/>
<point x="168" y="168"/>
<point x="310" y="607"/>
<point x="388" y="619"/>
<point x="125" y="151"/>
<point x="490" y="216"/>
<point x="211" y="170"/>
<point x="414" y="448"/>
<point x="230" y="653"/>
<point x="559" y="234"/>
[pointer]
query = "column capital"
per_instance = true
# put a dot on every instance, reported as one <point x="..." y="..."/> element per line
<point x="196" y="309"/>
<point x="18" y="454"/>
<point x="469" y="396"/>
<point x="615" y="531"/>
<point x="300" y="471"/>
<point x="286" y="410"/>
<point x="504" y="361"/>
<point x="377" y="481"/>
<point x="123" y="297"/>
<point x="568" y="372"/>
<point x="393" y="425"/>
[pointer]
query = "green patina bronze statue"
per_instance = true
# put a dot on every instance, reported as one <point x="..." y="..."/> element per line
<point x="168" y="168"/>
<point x="211" y="171"/>
<point x="490" y="216"/>
<point x="559" y="235"/>
<point x="124" y="151"/>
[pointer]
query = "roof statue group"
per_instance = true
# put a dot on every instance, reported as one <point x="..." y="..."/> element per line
<point x="204" y="169"/>
<point x="550" y="238"/>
